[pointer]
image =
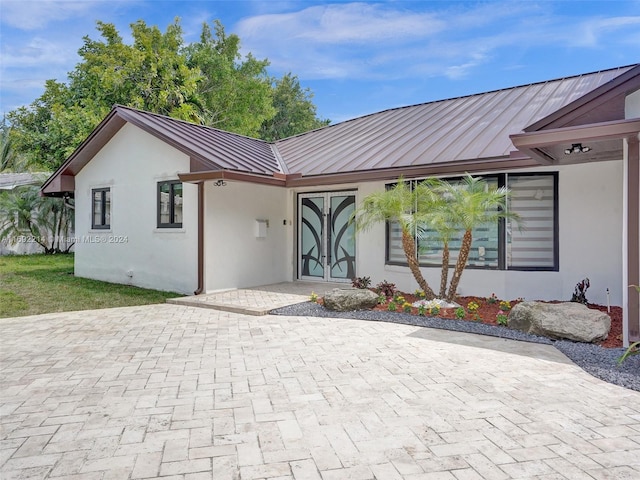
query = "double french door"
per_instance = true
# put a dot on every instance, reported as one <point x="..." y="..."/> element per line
<point x="326" y="238"/>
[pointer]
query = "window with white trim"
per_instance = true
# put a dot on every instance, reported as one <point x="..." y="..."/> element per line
<point x="100" y="208"/>
<point x="502" y="245"/>
<point x="170" y="204"/>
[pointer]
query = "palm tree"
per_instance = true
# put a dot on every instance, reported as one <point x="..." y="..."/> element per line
<point x="8" y="159"/>
<point x="45" y="221"/>
<point x="407" y="206"/>
<point x="445" y="230"/>
<point x="471" y="204"/>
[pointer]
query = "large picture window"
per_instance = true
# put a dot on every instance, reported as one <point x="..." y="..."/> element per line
<point x="501" y="245"/>
<point x="170" y="204"/>
<point x="534" y="198"/>
<point x="101" y="208"/>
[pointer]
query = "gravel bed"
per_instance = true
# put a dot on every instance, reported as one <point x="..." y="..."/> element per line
<point x="600" y="362"/>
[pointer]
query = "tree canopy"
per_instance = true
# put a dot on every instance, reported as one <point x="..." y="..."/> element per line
<point x="207" y="82"/>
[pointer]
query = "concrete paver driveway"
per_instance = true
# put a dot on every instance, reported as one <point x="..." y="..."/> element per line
<point x="177" y="392"/>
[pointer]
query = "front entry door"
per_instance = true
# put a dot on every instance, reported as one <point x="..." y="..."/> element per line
<point x="326" y="239"/>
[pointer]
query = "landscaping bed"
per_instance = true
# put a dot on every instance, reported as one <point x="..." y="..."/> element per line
<point x="488" y="310"/>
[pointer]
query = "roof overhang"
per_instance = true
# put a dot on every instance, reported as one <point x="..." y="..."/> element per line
<point x="277" y="179"/>
<point x="62" y="182"/>
<point x="387" y="174"/>
<point x="605" y="140"/>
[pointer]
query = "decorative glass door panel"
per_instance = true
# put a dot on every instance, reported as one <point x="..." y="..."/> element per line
<point x="326" y="239"/>
<point x="311" y="249"/>
<point x="342" y="242"/>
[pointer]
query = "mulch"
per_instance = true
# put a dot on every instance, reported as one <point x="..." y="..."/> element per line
<point x="487" y="312"/>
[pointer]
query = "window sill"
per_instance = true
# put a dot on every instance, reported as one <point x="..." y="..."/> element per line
<point x="169" y="230"/>
<point x="98" y="231"/>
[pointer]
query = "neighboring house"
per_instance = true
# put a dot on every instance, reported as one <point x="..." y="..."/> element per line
<point x="166" y="204"/>
<point x="10" y="180"/>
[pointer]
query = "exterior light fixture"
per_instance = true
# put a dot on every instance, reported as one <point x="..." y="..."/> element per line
<point x="220" y="183"/>
<point x="576" y="148"/>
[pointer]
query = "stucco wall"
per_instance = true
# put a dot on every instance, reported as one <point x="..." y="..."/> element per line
<point x="632" y="105"/>
<point x="134" y="251"/>
<point x="235" y="257"/>
<point x="590" y="226"/>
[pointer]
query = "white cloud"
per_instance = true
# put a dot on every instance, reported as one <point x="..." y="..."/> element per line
<point x="592" y="31"/>
<point x="26" y="15"/>
<point x="36" y="52"/>
<point x="361" y="41"/>
<point x="334" y="24"/>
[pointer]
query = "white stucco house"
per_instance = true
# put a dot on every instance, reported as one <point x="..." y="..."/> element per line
<point x="170" y="205"/>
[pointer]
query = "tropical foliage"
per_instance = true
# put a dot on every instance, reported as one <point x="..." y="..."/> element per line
<point x="634" y="348"/>
<point x="294" y="111"/>
<point x="407" y="206"/>
<point x="207" y="82"/>
<point x="447" y="208"/>
<point x="468" y="205"/>
<point x="27" y="217"/>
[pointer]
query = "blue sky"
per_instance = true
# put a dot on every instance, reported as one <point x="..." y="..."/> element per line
<point x="357" y="57"/>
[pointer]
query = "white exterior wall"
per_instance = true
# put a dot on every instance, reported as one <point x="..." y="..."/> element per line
<point x="134" y="251"/>
<point x="234" y="256"/>
<point x="632" y="105"/>
<point x="590" y="222"/>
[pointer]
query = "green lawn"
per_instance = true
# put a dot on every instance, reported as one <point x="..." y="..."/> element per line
<point x="33" y="284"/>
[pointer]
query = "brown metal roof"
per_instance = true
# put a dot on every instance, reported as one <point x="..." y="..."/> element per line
<point x="460" y="134"/>
<point x="460" y="129"/>
<point x="215" y="149"/>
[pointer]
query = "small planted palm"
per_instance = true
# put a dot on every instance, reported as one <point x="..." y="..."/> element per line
<point x="471" y="204"/>
<point x="409" y="208"/>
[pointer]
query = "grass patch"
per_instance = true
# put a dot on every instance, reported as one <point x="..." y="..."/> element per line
<point x="34" y="284"/>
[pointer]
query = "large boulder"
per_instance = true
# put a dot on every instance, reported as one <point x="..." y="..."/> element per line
<point x="570" y="320"/>
<point x="344" y="300"/>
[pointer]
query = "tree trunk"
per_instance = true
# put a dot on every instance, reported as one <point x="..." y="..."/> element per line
<point x="409" y="247"/>
<point x="463" y="256"/>
<point x="444" y="274"/>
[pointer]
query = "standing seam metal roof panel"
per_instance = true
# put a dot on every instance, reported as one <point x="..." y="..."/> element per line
<point x="465" y="128"/>
<point x="223" y="150"/>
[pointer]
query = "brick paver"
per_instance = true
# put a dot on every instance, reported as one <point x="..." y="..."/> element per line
<point x="177" y="392"/>
<point x="258" y="300"/>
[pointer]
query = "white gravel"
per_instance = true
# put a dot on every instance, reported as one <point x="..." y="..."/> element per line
<point x="600" y="362"/>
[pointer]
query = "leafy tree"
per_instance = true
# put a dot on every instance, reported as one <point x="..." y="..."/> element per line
<point x="234" y="94"/>
<point x="407" y="206"/>
<point x="295" y="111"/>
<point x="46" y="221"/>
<point x="151" y="74"/>
<point x="206" y="82"/>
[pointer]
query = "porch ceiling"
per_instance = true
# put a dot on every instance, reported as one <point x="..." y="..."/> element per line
<point x="604" y="139"/>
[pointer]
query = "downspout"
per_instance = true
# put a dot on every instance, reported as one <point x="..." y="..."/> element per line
<point x="200" y="288"/>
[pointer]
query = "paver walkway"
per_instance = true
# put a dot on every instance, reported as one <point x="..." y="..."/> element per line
<point x="176" y="392"/>
<point x="259" y="300"/>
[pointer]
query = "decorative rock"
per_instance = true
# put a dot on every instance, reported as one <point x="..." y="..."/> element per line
<point x="569" y="320"/>
<point x="344" y="300"/>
